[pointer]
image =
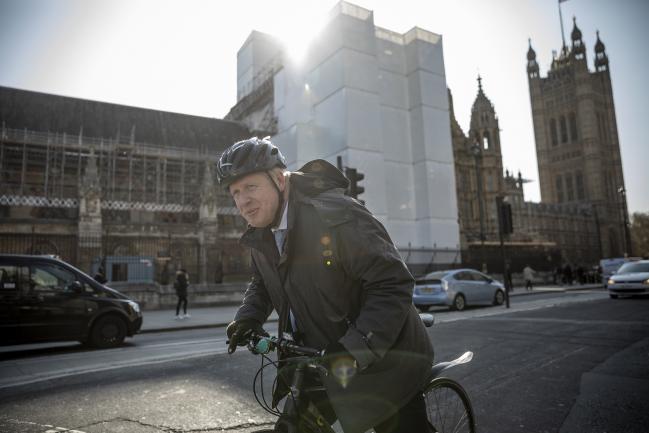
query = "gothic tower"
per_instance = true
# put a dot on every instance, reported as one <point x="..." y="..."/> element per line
<point x="478" y="170"/>
<point x="484" y="136"/>
<point x="576" y="138"/>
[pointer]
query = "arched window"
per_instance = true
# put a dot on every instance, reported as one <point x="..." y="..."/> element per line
<point x="573" y="127"/>
<point x="553" y="132"/>
<point x="559" y="189"/>
<point x="570" y="192"/>
<point x="564" y="129"/>
<point x="486" y="140"/>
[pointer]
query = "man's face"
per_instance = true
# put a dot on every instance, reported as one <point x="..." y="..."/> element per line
<point x="256" y="198"/>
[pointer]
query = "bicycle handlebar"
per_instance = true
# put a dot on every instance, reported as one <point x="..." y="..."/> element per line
<point x="260" y="344"/>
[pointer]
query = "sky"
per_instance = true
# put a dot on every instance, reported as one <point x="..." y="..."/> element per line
<point x="180" y="56"/>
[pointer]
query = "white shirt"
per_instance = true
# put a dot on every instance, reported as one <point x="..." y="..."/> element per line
<point x="280" y="231"/>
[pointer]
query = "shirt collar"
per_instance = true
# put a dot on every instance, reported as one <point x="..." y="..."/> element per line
<point x="283" y="222"/>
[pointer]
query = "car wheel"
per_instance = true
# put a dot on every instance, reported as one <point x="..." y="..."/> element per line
<point x="108" y="331"/>
<point x="612" y="296"/>
<point x="423" y="308"/>
<point x="499" y="297"/>
<point x="459" y="303"/>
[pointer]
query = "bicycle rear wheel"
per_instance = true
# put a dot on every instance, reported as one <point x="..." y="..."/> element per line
<point x="448" y="406"/>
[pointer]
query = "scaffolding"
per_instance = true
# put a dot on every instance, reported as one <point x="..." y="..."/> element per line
<point x="150" y="198"/>
<point x="45" y="170"/>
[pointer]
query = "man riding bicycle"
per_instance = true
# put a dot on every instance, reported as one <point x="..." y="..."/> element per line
<point x="331" y="271"/>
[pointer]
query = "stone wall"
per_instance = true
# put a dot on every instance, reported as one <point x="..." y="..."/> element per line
<point x="154" y="296"/>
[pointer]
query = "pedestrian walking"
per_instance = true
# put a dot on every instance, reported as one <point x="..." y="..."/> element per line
<point x="180" y="285"/>
<point x="557" y="275"/>
<point x="100" y="276"/>
<point x="528" y="275"/>
<point x="567" y="274"/>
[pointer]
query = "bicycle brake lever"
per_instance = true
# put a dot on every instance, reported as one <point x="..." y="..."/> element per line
<point x="322" y="369"/>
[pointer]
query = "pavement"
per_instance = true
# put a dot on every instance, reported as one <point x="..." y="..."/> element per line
<point x="221" y="315"/>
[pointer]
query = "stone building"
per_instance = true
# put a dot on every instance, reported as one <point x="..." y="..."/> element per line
<point x="478" y="170"/>
<point x="377" y="100"/>
<point x="128" y="188"/>
<point x="582" y="213"/>
<point x="577" y="144"/>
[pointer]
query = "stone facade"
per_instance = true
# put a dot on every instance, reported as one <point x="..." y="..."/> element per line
<point x="582" y="210"/>
<point x="577" y="144"/>
<point x="142" y="203"/>
<point x="540" y="229"/>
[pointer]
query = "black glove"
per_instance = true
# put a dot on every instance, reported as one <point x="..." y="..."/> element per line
<point x="239" y="332"/>
<point x="340" y="363"/>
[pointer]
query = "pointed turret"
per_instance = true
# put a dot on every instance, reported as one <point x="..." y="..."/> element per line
<point x="484" y="122"/>
<point x="532" y="66"/>
<point x="601" y="59"/>
<point x="578" y="48"/>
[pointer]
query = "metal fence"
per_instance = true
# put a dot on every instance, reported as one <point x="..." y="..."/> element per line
<point x="133" y="259"/>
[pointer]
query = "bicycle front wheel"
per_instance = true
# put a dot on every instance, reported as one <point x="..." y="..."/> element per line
<point x="448" y="407"/>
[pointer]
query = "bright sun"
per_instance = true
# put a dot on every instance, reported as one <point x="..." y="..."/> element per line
<point x="297" y="34"/>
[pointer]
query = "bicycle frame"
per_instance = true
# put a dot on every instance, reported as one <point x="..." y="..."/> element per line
<point x="299" y="413"/>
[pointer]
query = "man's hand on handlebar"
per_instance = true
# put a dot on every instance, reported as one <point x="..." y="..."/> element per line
<point x="340" y="363"/>
<point x="239" y="332"/>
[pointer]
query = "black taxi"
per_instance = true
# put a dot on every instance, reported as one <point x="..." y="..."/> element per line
<point x="46" y="299"/>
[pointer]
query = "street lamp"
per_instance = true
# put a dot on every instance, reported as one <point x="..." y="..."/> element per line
<point x="477" y="154"/>
<point x="598" y="231"/>
<point x="625" y="218"/>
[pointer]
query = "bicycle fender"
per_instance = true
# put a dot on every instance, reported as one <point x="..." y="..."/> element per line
<point x="441" y="366"/>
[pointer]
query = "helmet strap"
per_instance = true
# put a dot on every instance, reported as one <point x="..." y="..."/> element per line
<point x="280" y="207"/>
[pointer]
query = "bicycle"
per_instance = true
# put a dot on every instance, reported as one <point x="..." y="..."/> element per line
<point x="447" y="403"/>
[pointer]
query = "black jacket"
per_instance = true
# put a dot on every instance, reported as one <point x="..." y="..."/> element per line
<point x="344" y="281"/>
<point x="181" y="284"/>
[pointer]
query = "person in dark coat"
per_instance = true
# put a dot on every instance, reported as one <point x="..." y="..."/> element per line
<point x="567" y="274"/>
<point x="100" y="276"/>
<point x="180" y="285"/>
<point x="331" y="271"/>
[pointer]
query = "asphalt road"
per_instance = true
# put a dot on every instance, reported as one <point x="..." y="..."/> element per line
<point x="570" y="362"/>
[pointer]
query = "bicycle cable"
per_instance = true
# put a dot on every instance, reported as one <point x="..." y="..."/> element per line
<point x="265" y="362"/>
<point x="259" y="376"/>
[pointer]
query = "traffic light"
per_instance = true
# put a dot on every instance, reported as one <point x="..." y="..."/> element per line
<point x="354" y="177"/>
<point x="505" y="218"/>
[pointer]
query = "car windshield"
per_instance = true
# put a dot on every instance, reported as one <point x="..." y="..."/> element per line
<point x="631" y="268"/>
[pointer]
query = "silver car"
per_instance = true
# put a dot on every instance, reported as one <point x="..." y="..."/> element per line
<point x="631" y="279"/>
<point x="457" y="288"/>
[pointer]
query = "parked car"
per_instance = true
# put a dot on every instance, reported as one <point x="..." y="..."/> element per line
<point x="45" y="299"/>
<point x="631" y="279"/>
<point x="457" y="288"/>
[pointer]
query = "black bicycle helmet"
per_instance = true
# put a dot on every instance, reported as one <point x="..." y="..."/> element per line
<point x="248" y="156"/>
